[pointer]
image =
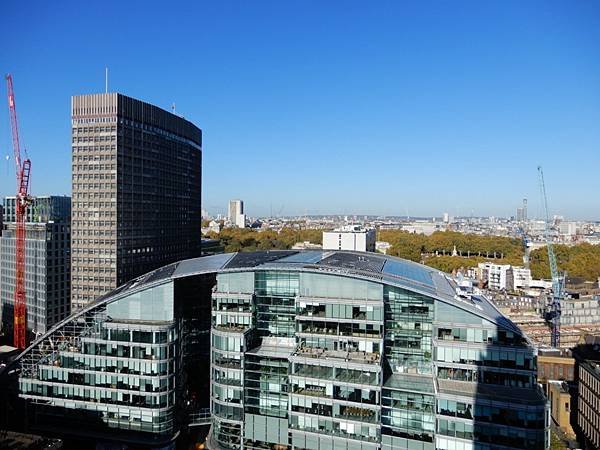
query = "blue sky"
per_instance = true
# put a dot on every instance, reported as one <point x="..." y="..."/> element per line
<point x="331" y="107"/>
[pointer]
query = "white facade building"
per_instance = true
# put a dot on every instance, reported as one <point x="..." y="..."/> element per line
<point x="426" y="228"/>
<point x="236" y="213"/>
<point x="240" y="220"/>
<point x="350" y="237"/>
<point x="568" y="228"/>
<point x="498" y="276"/>
<point x="236" y="207"/>
<point x="521" y="278"/>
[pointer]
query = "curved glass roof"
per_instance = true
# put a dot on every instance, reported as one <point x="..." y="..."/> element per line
<point x="387" y="269"/>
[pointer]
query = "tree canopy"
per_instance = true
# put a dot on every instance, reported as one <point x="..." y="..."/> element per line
<point x="249" y="240"/>
<point x="581" y="260"/>
<point x="472" y="248"/>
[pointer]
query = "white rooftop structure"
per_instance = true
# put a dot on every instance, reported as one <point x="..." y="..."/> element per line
<point x="350" y="237"/>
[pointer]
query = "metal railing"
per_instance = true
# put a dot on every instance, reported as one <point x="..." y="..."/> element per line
<point x="200" y="417"/>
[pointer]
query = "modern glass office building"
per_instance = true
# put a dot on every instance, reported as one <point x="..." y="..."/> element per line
<point x="47" y="263"/>
<point x="308" y="350"/>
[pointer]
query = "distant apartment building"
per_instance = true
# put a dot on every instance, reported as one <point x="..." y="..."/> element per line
<point x="240" y="221"/>
<point x="235" y="207"/>
<point x="519" y="216"/>
<point x="521" y="277"/>
<point x="426" y="228"/>
<point x="47" y="263"/>
<point x="588" y="407"/>
<point x="522" y="212"/>
<point x="497" y="276"/>
<point x="568" y="229"/>
<point x="136" y="191"/>
<point x="350" y="237"/>
<point x="214" y="226"/>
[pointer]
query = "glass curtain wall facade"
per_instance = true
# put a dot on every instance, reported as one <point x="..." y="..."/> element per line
<point x="357" y="364"/>
<point x="130" y="370"/>
<point x="118" y="372"/>
<point x="291" y="350"/>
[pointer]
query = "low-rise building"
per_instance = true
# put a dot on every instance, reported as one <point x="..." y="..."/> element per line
<point x="350" y="237"/>
<point x="579" y="311"/>
<point x="214" y="226"/>
<point x="554" y="366"/>
<point x="568" y="229"/>
<point x="560" y="406"/>
<point x="521" y="277"/>
<point x="497" y="276"/>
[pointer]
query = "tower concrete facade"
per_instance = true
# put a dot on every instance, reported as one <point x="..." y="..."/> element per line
<point x="136" y="191"/>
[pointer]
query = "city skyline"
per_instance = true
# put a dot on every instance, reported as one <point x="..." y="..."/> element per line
<point x="395" y="110"/>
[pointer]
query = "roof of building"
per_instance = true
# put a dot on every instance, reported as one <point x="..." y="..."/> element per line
<point x="373" y="267"/>
<point x="7" y="349"/>
<point x="591" y="366"/>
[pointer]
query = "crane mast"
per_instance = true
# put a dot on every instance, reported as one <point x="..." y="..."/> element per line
<point x="557" y="279"/>
<point x="22" y="201"/>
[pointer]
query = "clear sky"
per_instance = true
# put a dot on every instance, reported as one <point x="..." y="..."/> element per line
<point x="331" y="107"/>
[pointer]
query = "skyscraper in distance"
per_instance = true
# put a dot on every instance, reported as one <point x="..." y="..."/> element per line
<point x="136" y="191"/>
<point x="236" y="207"/>
<point x="236" y="213"/>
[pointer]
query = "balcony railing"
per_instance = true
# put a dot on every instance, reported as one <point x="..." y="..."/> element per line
<point x="345" y="355"/>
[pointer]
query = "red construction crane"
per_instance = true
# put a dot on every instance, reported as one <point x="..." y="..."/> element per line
<point x="22" y="201"/>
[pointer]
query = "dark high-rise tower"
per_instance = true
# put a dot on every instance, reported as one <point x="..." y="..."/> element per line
<point x="136" y="191"/>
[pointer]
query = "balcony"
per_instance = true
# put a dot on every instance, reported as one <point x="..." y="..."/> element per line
<point x="312" y="391"/>
<point x="232" y="328"/>
<point x="358" y="414"/>
<point x="334" y="332"/>
<point x="228" y="363"/>
<point x="358" y="357"/>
